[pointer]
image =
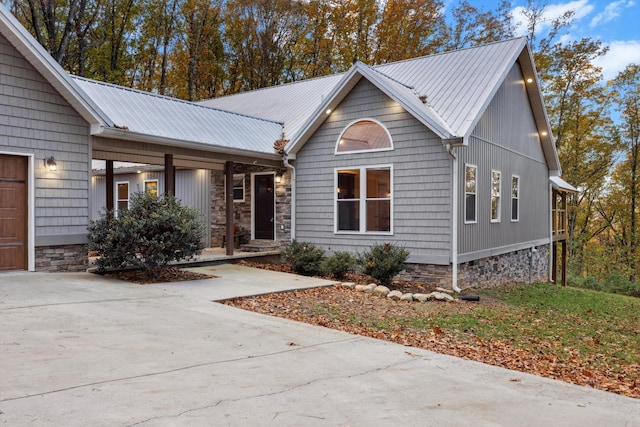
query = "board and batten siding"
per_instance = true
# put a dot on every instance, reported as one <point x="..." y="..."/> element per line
<point x="505" y="139"/>
<point x="193" y="188"/>
<point x="421" y="180"/>
<point x="36" y="120"/>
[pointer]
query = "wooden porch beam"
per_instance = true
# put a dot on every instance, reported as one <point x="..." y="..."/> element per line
<point x="110" y="184"/>
<point x="169" y="175"/>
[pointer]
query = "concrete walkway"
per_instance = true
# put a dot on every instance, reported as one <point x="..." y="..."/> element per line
<point x="78" y="349"/>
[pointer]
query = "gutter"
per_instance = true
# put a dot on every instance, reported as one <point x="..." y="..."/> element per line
<point x="454" y="221"/>
<point x="286" y="159"/>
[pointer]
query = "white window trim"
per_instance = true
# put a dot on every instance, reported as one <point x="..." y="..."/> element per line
<point x="362" y="201"/>
<point x="363" y="151"/>
<point x="518" y="198"/>
<point x="464" y="183"/>
<point x="118" y="199"/>
<point x="244" y="188"/>
<point x="499" y="196"/>
<point x="144" y="184"/>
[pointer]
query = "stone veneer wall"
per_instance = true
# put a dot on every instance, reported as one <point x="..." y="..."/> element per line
<point x="61" y="258"/>
<point x="503" y="269"/>
<point x="439" y="275"/>
<point x="497" y="270"/>
<point x="242" y="210"/>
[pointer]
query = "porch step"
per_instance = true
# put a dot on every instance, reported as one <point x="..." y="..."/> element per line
<point x="260" y="246"/>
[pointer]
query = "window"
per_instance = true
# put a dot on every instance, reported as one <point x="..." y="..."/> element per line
<point x="495" y="196"/>
<point x="364" y="135"/>
<point x="238" y="188"/>
<point x="515" y="198"/>
<point x="470" y="191"/>
<point x="363" y="200"/>
<point x="122" y="196"/>
<point x="151" y="187"/>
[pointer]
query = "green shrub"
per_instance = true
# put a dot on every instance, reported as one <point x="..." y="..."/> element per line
<point x="304" y="258"/>
<point x="154" y="231"/>
<point x="618" y="284"/>
<point x="383" y="262"/>
<point x="339" y="264"/>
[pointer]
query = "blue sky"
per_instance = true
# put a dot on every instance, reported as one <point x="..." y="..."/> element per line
<point x="615" y="23"/>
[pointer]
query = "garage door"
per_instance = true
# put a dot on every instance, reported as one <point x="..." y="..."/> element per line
<point x="13" y="213"/>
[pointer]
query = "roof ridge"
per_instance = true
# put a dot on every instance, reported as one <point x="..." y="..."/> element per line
<point x="449" y="52"/>
<point x="169" y="98"/>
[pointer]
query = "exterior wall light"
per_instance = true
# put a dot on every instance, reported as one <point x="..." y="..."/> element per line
<point x="50" y="163"/>
<point x="278" y="177"/>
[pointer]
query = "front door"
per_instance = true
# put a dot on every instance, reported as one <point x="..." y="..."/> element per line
<point x="13" y="213"/>
<point x="264" y="216"/>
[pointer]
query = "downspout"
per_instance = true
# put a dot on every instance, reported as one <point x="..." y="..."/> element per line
<point x="293" y="192"/>
<point x="454" y="222"/>
<point x="550" y="253"/>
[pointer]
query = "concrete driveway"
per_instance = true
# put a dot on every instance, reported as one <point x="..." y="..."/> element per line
<point x="78" y="349"/>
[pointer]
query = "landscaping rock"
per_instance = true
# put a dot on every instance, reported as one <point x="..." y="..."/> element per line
<point x="448" y="291"/>
<point x="406" y="297"/>
<point x="361" y="288"/>
<point x="440" y="296"/>
<point x="349" y="285"/>
<point x="370" y="288"/>
<point x="394" y="295"/>
<point x="381" y="290"/>
<point x="421" y="297"/>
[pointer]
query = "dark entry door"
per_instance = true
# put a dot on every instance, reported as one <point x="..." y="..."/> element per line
<point x="13" y="213"/>
<point x="264" y="216"/>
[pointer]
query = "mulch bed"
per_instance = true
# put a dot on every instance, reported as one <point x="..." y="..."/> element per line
<point x="168" y="274"/>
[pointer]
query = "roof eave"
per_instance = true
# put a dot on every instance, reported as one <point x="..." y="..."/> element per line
<point x="126" y="135"/>
<point x="351" y="78"/>
<point x="40" y="59"/>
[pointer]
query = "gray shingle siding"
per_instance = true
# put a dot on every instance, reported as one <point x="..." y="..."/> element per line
<point x="36" y="120"/>
<point x="421" y="178"/>
<point x="505" y="139"/>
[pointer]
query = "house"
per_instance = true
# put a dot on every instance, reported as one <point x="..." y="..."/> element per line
<point x="450" y="156"/>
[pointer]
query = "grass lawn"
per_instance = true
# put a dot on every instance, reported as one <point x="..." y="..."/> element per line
<point x="575" y="335"/>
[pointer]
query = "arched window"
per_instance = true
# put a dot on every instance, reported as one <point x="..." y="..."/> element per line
<point x="364" y="135"/>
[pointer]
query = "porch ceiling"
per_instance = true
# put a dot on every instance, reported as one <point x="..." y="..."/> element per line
<point x="185" y="155"/>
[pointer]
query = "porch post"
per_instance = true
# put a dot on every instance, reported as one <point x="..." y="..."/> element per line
<point x="564" y="262"/>
<point x="169" y="175"/>
<point x="109" y="184"/>
<point x="554" y="262"/>
<point x="229" y="206"/>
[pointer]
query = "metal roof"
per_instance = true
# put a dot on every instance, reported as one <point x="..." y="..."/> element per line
<point x="159" y="116"/>
<point x="457" y="87"/>
<point x="291" y="103"/>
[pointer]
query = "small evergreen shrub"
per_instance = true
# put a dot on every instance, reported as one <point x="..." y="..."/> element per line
<point x="304" y="258"/>
<point x="339" y="264"/>
<point x="383" y="262"/>
<point x="154" y="231"/>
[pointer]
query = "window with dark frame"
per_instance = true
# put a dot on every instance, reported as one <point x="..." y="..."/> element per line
<point x="495" y="195"/>
<point x="122" y="196"/>
<point x="470" y="193"/>
<point x="515" y="198"/>
<point x="364" y="193"/>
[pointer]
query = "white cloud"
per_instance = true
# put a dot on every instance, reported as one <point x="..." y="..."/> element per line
<point x="621" y="53"/>
<point x="611" y="12"/>
<point x="582" y="8"/>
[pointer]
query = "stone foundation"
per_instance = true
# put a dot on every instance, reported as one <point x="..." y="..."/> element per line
<point x="513" y="267"/>
<point x="439" y="275"/>
<point x="61" y="258"/>
<point x="488" y="272"/>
